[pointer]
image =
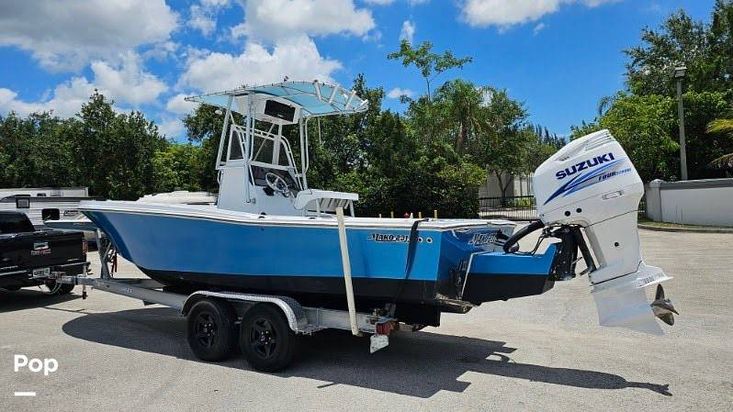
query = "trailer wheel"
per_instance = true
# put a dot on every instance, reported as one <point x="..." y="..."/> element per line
<point x="265" y="338"/>
<point x="211" y="330"/>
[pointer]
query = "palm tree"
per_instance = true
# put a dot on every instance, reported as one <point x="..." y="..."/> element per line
<point x="724" y="125"/>
<point x="461" y="103"/>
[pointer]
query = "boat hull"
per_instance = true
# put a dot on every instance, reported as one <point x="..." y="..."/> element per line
<point x="302" y="258"/>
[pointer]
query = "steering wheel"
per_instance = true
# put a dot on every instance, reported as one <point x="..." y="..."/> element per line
<point x="277" y="183"/>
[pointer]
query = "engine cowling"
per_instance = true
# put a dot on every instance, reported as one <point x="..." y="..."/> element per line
<point x="591" y="183"/>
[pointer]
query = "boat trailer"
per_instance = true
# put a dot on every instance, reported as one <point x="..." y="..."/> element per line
<point x="265" y="327"/>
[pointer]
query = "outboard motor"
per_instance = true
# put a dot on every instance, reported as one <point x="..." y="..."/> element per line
<point x="591" y="186"/>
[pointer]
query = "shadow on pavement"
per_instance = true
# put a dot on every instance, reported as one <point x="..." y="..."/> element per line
<point x="417" y="364"/>
<point x="30" y="298"/>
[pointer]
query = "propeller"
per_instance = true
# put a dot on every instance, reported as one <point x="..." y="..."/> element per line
<point x="663" y="308"/>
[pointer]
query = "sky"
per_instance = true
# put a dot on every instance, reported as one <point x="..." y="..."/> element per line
<point x="558" y="57"/>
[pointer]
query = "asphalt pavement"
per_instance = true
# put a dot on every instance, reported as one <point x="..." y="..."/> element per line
<point x="536" y="353"/>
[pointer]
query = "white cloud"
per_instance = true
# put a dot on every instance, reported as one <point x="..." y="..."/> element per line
<point x="273" y="20"/>
<point x="66" y="101"/>
<point x="503" y="14"/>
<point x="408" y="31"/>
<point x="161" y="51"/>
<point x="126" y="83"/>
<point x="172" y="128"/>
<point x="215" y="3"/>
<point x="67" y="35"/>
<point x="397" y="92"/>
<point x="9" y="102"/>
<point x="388" y="2"/>
<point x="203" y="15"/>
<point x="297" y="58"/>
<point x="201" y="20"/>
<point x="178" y="105"/>
<point x="538" y="28"/>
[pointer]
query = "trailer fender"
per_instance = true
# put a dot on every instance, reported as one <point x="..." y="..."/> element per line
<point x="293" y="311"/>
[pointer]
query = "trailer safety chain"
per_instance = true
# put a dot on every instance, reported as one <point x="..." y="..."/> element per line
<point x="54" y="289"/>
<point x="110" y="256"/>
<point x="114" y="261"/>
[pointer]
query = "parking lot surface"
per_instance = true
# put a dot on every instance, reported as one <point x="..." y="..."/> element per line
<point x="537" y="353"/>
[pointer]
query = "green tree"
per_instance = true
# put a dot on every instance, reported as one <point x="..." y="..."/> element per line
<point x="178" y="167"/>
<point x="705" y="49"/>
<point x="114" y="152"/>
<point x="703" y="147"/>
<point x="541" y="145"/>
<point x="503" y="147"/>
<point x="644" y="125"/>
<point x="723" y="126"/>
<point x="430" y="64"/>
<point x="136" y="140"/>
<point x="34" y="151"/>
<point x="460" y="110"/>
<point x="644" y="119"/>
<point x="584" y="128"/>
<point x="204" y="128"/>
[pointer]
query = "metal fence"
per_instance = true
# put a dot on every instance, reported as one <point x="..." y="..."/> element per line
<point x="509" y="207"/>
<point x="642" y="207"/>
<point x="521" y="208"/>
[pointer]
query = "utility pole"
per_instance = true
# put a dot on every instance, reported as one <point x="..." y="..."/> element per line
<point x="679" y="74"/>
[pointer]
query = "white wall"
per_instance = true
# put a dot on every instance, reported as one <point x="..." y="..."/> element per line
<point x="519" y="186"/>
<point x="693" y="202"/>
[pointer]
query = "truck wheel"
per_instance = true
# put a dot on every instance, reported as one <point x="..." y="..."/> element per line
<point x="65" y="289"/>
<point x="58" y="290"/>
<point x="266" y="339"/>
<point x="211" y="330"/>
<point x="11" y="288"/>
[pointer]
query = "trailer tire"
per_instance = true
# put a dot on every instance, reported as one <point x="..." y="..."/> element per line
<point x="265" y="339"/>
<point x="211" y="330"/>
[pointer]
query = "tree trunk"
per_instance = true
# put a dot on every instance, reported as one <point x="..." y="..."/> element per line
<point x="501" y="187"/>
<point x="461" y="139"/>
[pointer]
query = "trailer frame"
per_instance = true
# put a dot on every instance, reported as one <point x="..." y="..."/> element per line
<point x="301" y="320"/>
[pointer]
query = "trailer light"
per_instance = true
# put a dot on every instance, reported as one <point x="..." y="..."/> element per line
<point x="386" y="328"/>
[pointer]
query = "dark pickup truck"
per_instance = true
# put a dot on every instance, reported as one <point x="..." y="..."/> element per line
<point x="30" y="257"/>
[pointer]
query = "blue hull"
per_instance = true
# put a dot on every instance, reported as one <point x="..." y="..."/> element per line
<point x="299" y="260"/>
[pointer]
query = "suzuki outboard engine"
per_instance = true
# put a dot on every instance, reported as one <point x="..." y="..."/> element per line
<point x="591" y="186"/>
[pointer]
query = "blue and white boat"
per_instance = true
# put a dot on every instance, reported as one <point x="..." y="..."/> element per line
<point x="269" y="232"/>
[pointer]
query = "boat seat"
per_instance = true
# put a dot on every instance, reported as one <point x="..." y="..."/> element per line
<point x="327" y="200"/>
